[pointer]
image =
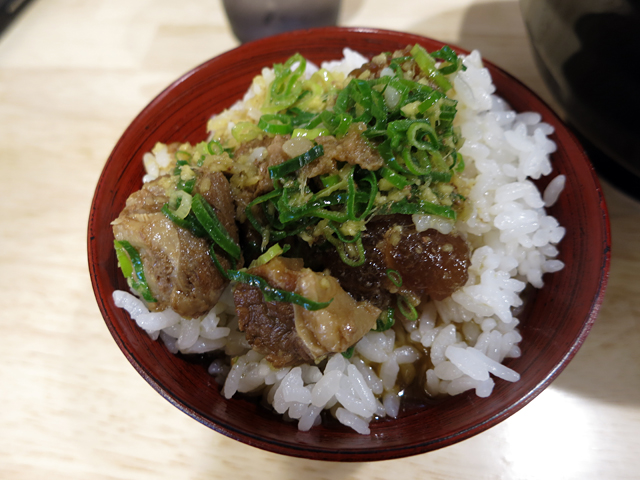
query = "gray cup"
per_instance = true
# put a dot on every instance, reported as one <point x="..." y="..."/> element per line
<point x="253" y="19"/>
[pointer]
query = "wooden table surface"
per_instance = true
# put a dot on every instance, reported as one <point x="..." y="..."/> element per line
<point x="73" y="74"/>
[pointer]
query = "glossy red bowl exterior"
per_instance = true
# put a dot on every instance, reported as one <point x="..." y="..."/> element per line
<point x="554" y="325"/>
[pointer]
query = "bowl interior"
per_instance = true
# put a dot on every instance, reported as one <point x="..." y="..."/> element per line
<point x="554" y="325"/>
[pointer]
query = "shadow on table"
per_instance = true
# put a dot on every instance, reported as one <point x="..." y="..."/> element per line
<point x="607" y="367"/>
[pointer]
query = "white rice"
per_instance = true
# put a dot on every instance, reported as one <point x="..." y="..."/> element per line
<point x="467" y="336"/>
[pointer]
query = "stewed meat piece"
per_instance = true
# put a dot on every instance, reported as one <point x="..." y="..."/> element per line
<point x="177" y="265"/>
<point x="353" y="148"/>
<point x="288" y="334"/>
<point x="430" y="263"/>
<point x="252" y="178"/>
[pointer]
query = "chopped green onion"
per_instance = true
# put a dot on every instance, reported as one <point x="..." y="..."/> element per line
<point x="386" y="152"/>
<point x="397" y="132"/>
<point x="330" y="180"/>
<point x="276" y="124"/>
<point x="246" y="131"/>
<point x="347" y="256"/>
<point x="351" y="196"/>
<point x="266" y="257"/>
<point x="337" y="122"/>
<point x="406" y="309"/>
<point x="419" y="166"/>
<point x="332" y="215"/>
<point x="123" y="260"/>
<point x="140" y="285"/>
<point x="428" y="65"/>
<point x="395" y="277"/>
<point x="373" y="192"/>
<point x="182" y="156"/>
<point x="311" y="134"/>
<point x="341" y="237"/>
<point x="386" y="320"/>
<point x="422" y="136"/>
<point x="430" y="101"/>
<point x="190" y="222"/>
<point x="179" y="165"/>
<point x="272" y="294"/>
<point x="186" y="185"/>
<point x="214" y="148"/>
<point x="394" y="178"/>
<point x="296" y="163"/>
<point x="343" y="100"/>
<point x="410" y="208"/>
<point x="209" y="220"/>
<point x="458" y="162"/>
<point x="287" y="86"/>
<point x="252" y="219"/>
<point x="301" y="118"/>
<point x="216" y="262"/>
<point x="448" y="55"/>
<point x="348" y="353"/>
<point x="443" y="177"/>
<point x="180" y="203"/>
<point x="439" y="163"/>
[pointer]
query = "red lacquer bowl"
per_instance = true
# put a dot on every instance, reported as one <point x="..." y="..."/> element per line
<point x="554" y="326"/>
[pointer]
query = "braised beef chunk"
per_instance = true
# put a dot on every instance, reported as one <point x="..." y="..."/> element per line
<point x="430" y="263"/>
<point x="353" y="148"/>
<point x="253" y="179"/>
<point x="368" y="281"/>
<point x="177" y="265"/>
<point x="290" y="335"/>
<point x="270" y="326"/>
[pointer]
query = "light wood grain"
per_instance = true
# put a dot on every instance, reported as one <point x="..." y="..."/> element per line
<point x="72" y="76"/>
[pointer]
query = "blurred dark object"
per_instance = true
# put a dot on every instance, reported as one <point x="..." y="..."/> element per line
<point x="253" y="19"/>
<point x="9" y="10"/>
<point x="588" y="52"/>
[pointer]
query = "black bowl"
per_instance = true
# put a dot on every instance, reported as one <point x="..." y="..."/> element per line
<point x="588" y="53"/>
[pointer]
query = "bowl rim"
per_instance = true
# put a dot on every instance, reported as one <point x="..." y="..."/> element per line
<point x="306" y="451"/>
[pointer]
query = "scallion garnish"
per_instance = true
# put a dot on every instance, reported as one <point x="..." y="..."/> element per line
<point x="123" y="259"/>
<point x="296" y="163"/>
<point x="406" y="309"/>
<point x="190" y="222"/>
<point x="395" y="277"/>
<point x="214" y="148"/>
<point x="273" y="252"/>
<point x="351" y="253"/>
<point x="386" y="320"/>
<point x="397" y="180"/>
<point x="428" y="65"/>
<point x="272" y="294"/>
<point x="276" y="124"/>
<point x="287" y="86"/>
<point x="138" y="282"/>
<point x="348" y="353"/>
<point x="210" y="222"/>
